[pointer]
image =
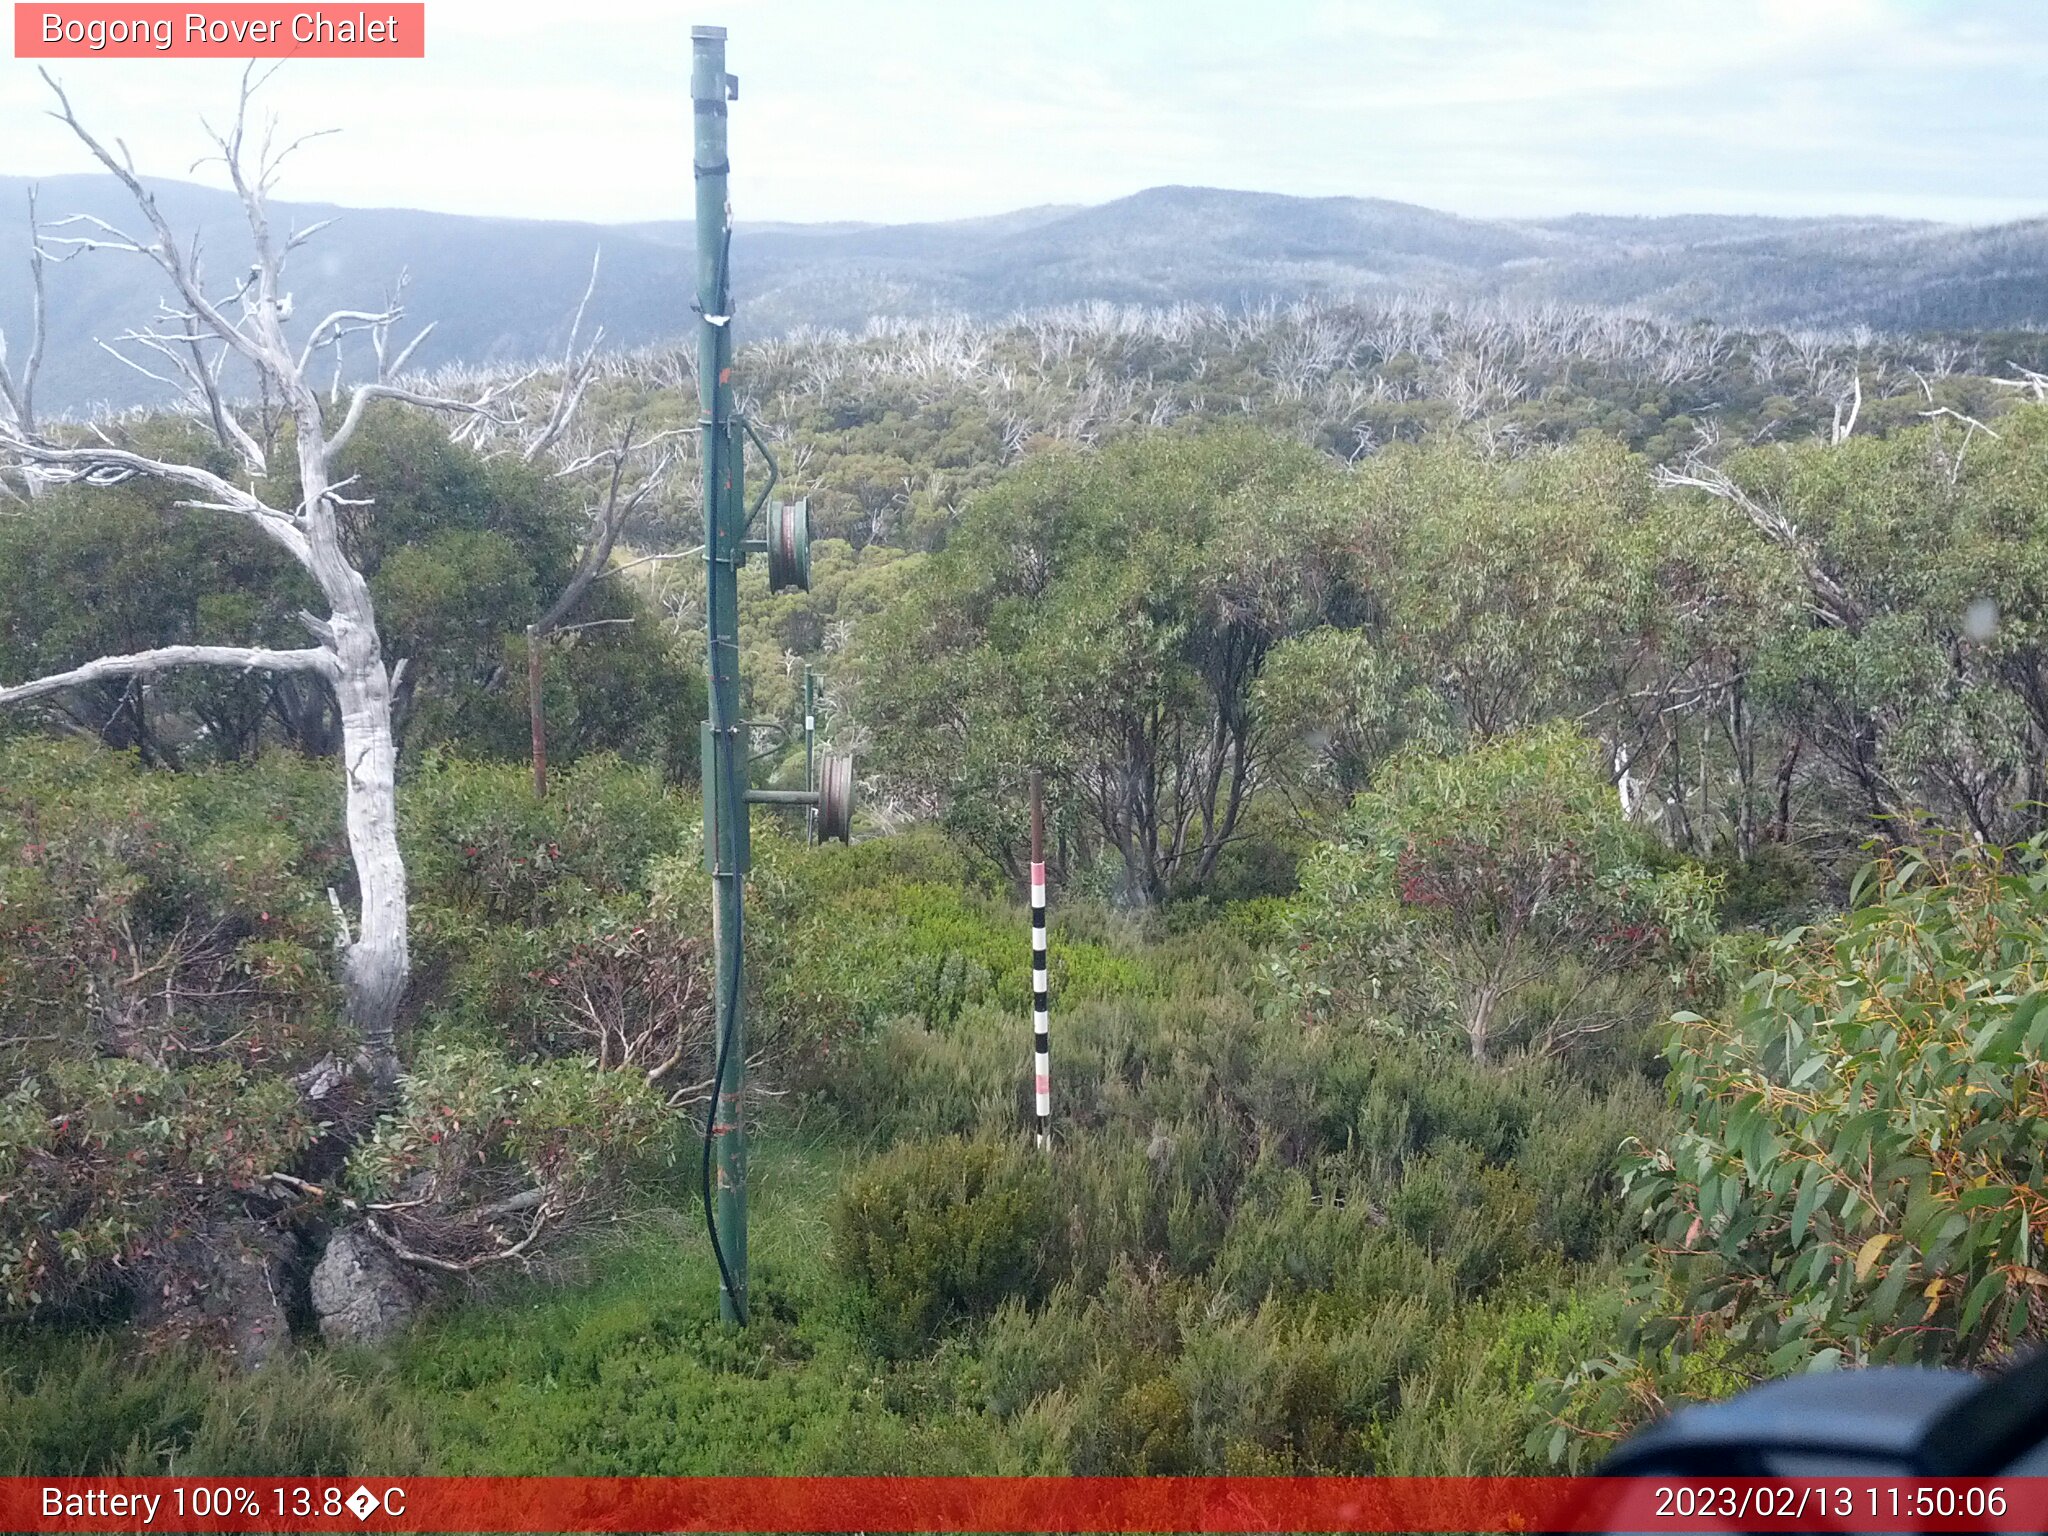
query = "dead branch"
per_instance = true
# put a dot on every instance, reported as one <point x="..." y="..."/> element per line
<point x="577" y="369"/>
<point x="18" y="391"/>
<point x="506" y="1254"/>
<point x="146" y="663"/>
<point x="102" y="464"/>
<point x="1831" y="599"/>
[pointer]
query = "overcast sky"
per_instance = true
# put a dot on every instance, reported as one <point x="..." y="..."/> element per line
<point x="895" y="110"/>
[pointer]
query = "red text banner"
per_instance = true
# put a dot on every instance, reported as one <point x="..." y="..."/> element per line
<point x="996" y="1504"/>
<point x="229" y="31"/>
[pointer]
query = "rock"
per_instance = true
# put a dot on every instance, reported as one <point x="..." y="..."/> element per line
<point x="361" y="1294"/>
<point x="223" y="1284"/>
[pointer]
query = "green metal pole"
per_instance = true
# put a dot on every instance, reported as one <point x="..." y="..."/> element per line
<point x="725" y="809"/>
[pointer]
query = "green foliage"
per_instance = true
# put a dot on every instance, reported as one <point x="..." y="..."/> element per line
<point x="162" y="972"/>
<point x="1510" y="582"/>
<point x="522" y="905"/>
<point x="931" y="1233"/>
<point x="1499" y="895"/>
<point x="86" y="1410"/>
<point x="1106" y="616"/>
<point x="166" y="971"/>
<point x="1266" y="1239"/>
<point x="554" y="984"/>
<point x="1346" y="702"/>
<point x="1861" y="1170"/>
<point x="1857" y="1178"/>
<point x="1774" y="887"/>
<point x="893" y="956"/>
<point x="104" y="1158"/>
<point x="1924" y="690"/>
<point x="622" y="1377"/>
<point x="470" y="1113"/>
<point x="478" y="843"/>
<point x="462" y="552"/>
<point x="94" y="572"/>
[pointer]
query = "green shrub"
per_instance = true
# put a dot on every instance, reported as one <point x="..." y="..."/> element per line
<point x="1862" y="1170"/>
<point x="1776" y="885"/>
<point x="479" y="845"/>
<point x="930" y="1233"/>
<point x="1859" y="1174"/>
<point x="475" y="1128"/>
<point x="633" y="1374"/>
<point x="1494" y="899"/>
<point x="165" y="965"/>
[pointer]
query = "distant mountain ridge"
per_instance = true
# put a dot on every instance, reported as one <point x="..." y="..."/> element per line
<point x="501" y="289"/>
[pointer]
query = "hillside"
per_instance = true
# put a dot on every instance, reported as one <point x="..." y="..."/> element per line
<point x="501" y="288"/>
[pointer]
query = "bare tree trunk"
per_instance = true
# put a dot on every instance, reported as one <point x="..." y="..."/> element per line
<point x="379" y="961"/>
<point x="18" y="393"/>
<point x="1479" y="1022"/>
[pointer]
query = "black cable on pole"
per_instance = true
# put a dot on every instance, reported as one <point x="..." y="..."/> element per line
<point x="739" y="1301"/>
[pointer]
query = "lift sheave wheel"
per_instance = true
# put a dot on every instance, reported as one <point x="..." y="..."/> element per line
<point x="835" y="798"/>
<point x="789" y="546"/>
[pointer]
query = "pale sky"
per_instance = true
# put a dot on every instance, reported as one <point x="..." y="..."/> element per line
<point x="895" y="110"/>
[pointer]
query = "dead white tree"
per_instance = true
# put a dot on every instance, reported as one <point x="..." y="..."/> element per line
<point x="1845" y="421"/>
<point x="1831" y="601"/>
<point x="249" y="324"/>
<point x="18" y="385"/>
<point x="2035" y="384"/>
<point x="629" y="475"/>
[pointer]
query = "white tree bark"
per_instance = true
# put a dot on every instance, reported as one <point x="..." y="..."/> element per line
<point x="170" y="657"/>
<point x="18" y="386"/>
<point x="249" y="326"/>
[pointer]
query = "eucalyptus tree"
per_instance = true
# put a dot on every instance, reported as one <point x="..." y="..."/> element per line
<point x="1919" y="673"/>
<point x="1106" y="617"/>
<point x="1497" y="897"/>
<point x="1510" y="581"/>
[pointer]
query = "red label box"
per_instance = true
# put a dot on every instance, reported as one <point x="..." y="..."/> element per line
<point x="165" y="1506"/>
<point x="377" y="30"/>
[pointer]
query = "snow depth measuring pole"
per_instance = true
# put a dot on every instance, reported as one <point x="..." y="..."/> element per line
<point x="725" y="753"/>
<point x="1041" y="986"/>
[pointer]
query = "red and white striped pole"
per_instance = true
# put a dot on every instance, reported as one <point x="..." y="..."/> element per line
<point x="1041" y="1002"/>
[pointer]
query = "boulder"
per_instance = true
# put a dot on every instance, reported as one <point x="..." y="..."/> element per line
<point x="223" y="1284"/>
<point x="360" y="1293"/>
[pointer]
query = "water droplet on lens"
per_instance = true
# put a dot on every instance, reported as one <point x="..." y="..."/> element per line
<point x="1980" y="619"/>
